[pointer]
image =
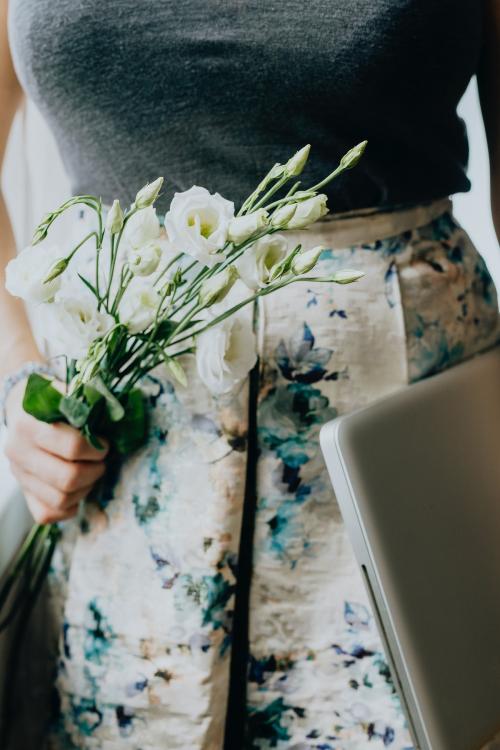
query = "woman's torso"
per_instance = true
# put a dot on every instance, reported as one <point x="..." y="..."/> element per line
<point x="213" y="92"/>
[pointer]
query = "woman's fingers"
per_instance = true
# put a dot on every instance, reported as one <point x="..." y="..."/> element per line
<point x="65" y="476"/>
<point x="47" y="493"/>
<point x="46" y="503"/>
<point x="54" y="464"/>
<point x="64" y="441"/>
<point x="43" y="513"/>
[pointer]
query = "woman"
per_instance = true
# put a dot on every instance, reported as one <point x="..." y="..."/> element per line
<point x="164" y="641"/>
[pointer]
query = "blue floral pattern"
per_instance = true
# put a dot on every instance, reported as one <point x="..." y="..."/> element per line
<point x="144" y="586"/>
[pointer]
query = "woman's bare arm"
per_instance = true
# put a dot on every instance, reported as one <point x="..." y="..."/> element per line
<point x="53" y="463"/>
<point x="489" y="90"/>
<point x="16" y="342"/>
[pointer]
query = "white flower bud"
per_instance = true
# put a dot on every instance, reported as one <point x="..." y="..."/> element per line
<point x="276" y="171"/>
<point x="283" y="215"/>
<point x="352" y="157"/>
<point x="39" y="234"/>
<point x="308" y="212"/>
<point x="56" y="270"/>
<point x="141" y="227"/>
<point x="214" y="289"/>
<point x="167" y="289"/>
<point x="280" y="269"/>
<point x="148" y="194"/>
<point x="42" y="229"/>
<point x="89" y="366"/>
<point x="305" y="261"/>
<point x="243" y="227"/>
<point x="177" y="371"/>
<point x="144" y="260"/>
<point x="296" y="164"/>
<point x="114" y="219"/>
<point x="347" y="276"/>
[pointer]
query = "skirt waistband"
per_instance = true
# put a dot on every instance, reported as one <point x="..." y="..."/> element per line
<point x="343" y="230"/>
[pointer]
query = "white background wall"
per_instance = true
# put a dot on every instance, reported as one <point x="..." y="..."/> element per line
<point x="473" y="208"/>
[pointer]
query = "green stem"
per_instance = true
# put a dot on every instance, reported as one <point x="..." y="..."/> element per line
<point x="126" y="278"/>
<point x="114" y="252"/>
<point x="248" y="203"/>
<point x="36" y="543"/>
<point x="168" y="266"/>
<point x="11" y="672"/>
<point x="69" y="257"/>
<point x="184" y="322"/>
<point x="145" y="355"/>
<point x="207" y="273"/>
<point x="262" y="293"/>
<point x="274" y="189"/>
<point x="19" y="562"/>
<point x="291" y="198"/>
<point x="336" y="172"/>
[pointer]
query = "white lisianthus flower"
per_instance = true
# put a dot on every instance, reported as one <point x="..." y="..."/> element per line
<point x="197" y="224"/>
<point x="243" y="227"/>
<point x="142" y="227"/>
<point x="72" y="322"/>
<point x="25" y="274"/>
<point x="308" y="211"/>
<point x="139" y="305"/>
<point x="257" y="263"/>
<point x="226" y="353"/>
<point x="144" y="260"/>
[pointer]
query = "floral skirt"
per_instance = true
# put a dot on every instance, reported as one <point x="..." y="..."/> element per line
<point x="212" y="599"/>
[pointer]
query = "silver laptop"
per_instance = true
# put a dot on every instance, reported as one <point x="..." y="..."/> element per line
<point x="417" y="477"/>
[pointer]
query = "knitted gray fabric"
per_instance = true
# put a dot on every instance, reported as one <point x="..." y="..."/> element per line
<point x="213" y="92"/>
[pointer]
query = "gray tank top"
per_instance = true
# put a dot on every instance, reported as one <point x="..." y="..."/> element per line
<point x="213" y="92"/>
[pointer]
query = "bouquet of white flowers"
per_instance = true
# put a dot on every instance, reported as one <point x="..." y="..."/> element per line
<point x="131" y="295"/>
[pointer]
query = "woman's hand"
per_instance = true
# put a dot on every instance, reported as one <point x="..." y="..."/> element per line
<point x="54" y="464"/>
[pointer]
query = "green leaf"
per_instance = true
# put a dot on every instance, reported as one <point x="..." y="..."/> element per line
<point x="97" y="421"/>
<point x="131" y="432"/>
<point x="280" y="269"/>
<point x="165" y="328"/>
<point x="114" y="407"/>
<point x="42" y="400"/>
<point x="75" y="410"/>
<point x="92" y="439"/>
<point x="92" y="395"/>
<point x="89" y="285"/>
<point x="175" y="367"/>
<point x="177" y="371"/>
